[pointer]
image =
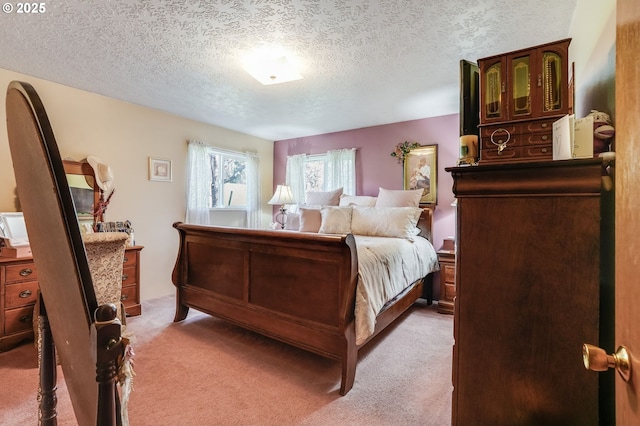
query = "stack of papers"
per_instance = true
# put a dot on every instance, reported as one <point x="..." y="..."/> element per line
<point x="573" y="138"/>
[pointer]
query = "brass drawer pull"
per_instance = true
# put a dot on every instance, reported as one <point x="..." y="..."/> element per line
<point x="545" y="137"/>
<point x="544" y="125"/>
<point x="26" y="319"/>
<point x="123" y="297"/>
<point x="25" y="272"/>
<point x="126" y="259"/>
<point x="24" y="294"/>
<point x="124" y="277"/>
<point x="544" y="150"/>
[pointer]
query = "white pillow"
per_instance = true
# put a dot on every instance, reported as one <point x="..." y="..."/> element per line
<point x="399" y="198"/>
<point x="293" y="221"/>
<point x="329" y="198"/>
<point x="294" y="208"/>
<point x="397" y="222"/>
<point x="335" y="220"/>
<point x="357" y="200"/>
<point x="310" y="219"/>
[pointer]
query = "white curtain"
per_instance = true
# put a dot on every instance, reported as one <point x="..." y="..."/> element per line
<point x="341" y="170"/>
<point x="253" y="191"/>
<point x="198" y="178"/>
<point x="295" y="176"/>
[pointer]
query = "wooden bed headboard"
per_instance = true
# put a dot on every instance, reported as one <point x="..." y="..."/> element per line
<point x="425" y="223"/>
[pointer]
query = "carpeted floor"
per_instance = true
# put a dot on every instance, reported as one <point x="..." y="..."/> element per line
<point x="204" y="371"/>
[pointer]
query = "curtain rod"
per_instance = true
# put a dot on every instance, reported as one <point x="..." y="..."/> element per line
<point x="323" y="153"/>
<point x="229" y="151"/>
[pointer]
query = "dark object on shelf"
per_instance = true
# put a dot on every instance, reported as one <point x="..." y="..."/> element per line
<point x="469" y="98"/>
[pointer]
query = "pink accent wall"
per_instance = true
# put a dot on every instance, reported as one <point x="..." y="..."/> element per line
<point x="376" y="168"/>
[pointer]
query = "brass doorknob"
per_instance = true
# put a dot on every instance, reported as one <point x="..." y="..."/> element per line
<point x="596" y="359"/>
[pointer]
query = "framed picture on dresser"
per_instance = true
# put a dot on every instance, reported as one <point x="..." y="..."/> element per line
<point x="421" y="172"/>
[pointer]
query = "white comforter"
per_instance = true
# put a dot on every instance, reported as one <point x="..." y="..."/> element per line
<point x="386" y="266"/>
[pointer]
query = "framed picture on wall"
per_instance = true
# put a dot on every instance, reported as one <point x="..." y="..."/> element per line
<point x="421" y="172"/>
<point x="159" y="169"/>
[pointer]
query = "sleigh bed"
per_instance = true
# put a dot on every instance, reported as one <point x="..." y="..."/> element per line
<point x="297" y="287"/>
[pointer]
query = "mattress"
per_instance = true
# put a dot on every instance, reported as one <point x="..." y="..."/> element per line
<point x="387" y="266"/>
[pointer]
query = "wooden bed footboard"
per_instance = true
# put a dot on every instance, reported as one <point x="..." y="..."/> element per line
<point x="295" y="287"/>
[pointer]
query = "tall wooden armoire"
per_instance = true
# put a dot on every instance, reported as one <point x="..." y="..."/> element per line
<point x="529" y="292"/>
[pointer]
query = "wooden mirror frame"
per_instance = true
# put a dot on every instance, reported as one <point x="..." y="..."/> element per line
<point x="85" y="169"/>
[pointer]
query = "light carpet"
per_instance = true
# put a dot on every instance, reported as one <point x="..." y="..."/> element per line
<point x="204" y="371"/>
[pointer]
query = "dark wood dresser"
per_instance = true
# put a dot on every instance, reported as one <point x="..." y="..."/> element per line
<point x="18" y="293"/>
<point x="19" y="290"/>
<point x="528" y="292"/>
<point x="131" y="281"/>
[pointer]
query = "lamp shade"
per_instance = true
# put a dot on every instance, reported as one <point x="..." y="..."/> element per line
<point x="282" y="196"/>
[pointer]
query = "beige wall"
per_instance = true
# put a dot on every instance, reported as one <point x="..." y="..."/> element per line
<point x="593" y="33"/>
<point x="124" y="136"/>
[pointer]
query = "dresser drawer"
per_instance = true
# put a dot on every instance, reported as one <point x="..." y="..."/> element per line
<point x="128" y="296"/>
<point x="128" y="276"/>
<point x="129" y="259"/>
<point x="494" y="136"/>
<point x="499" y="130"/>
<point x="492" y="154"/>
<point x="449" y="291"/>
<point x="538" y="126"/>
<point x="18" y="319"/>
<point x="449" y="273"/>
<point x="537" y="138"/>
<point x="21" y="294"/>
<point x="538" y="152"/>
<point x="21" y="272"/>
<point x="517" y="154"/>
<point x="130" y="293"/>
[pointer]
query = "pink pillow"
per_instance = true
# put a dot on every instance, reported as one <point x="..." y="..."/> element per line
<point x="399" y="198"/>
<point x="329" y="198"/>
<point x="310" y="220"/>
<point x="357" y="200"/>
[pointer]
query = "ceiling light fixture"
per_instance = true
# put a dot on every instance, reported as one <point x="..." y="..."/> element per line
<point x="272" y="69"/>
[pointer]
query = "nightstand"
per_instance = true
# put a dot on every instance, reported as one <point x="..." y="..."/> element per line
<point x="447" y="261"/>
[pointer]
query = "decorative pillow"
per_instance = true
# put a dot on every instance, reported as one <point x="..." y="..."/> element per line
<point x="335" y="220"/>
<point x="329" y="198"/>
<point x="293" y="221"/>
<point x="399" y="198"/>
<point x="294" y="208"/>
<point x="310" y="219"/>
<point x="357" y="200"/>
<point x="398" y="222"/>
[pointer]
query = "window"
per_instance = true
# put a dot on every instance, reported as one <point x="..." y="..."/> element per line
<point x="321" y="172"/>
<point x="228" y="180"/>
<point x="314" y="172"/>
<point x="218" y="179"/>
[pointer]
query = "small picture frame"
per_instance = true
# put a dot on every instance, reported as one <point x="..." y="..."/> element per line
<point x="421" y="171"/>
<point x="159" y="169"/>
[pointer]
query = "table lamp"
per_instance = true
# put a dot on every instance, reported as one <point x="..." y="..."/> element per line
<point x="282" y="196"/>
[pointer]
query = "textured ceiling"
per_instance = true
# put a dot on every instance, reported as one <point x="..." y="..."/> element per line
<point x="364" y="62"/>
